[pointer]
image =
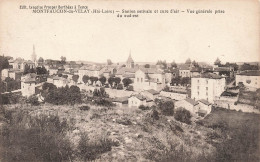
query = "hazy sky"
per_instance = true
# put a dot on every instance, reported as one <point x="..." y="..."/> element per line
<point x="233" y="36"/>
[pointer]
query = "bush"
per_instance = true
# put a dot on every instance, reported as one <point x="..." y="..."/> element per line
<point x="166" y="108"/>
<point x="33" y="100"/>
<point x="120" y="86"/>
<point x="92" y="150"/>
<point x="155" y="115"/>
<point x="103" y="102"/>
<point x="130" y="88"/>
<point x="28" y="138"/>
<point x="183" y="115"/>
<point x="142" y="107"/>
<point x="84" y="108"/>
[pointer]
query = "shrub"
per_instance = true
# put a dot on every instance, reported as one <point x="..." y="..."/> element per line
<point x="142" y="107"/>
<point x="183" y="115"/>
<point x="103" y="102"/>
<point x="85" y="108"/>
<point x="33" y="100"/>
<point x="155" y="115"/>
<point x="130" y="88"/>
<point x="91" y="150"/>
<point x="166" y="108"/>
<point x="120" y="86"/>
<point x="28" y="138"/>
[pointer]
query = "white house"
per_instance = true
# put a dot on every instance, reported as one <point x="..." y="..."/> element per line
<point x="207" y="86"/>
<point x="138" y="99"/>
<point x="28" y="82"/>
<point x="149" y="78"/>
<point x="151" y="94"/>
<point x="188" y="104"/>
<point x="204" y="107"/>
<point x="120" y="101"/>
<point x="250" y="79"/>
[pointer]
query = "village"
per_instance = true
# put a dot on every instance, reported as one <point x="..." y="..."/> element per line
<point x="192" y="86"/>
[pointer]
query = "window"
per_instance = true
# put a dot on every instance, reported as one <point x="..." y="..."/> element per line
<point x="207" y="88"/>
<point x="198" y="81"/>
<point x="207" y="82"/>
<point x="157" y="80"/>
<point x="141" y="79"/>
<point x="198" y="93"/>
<point x="206" y="93"/>
<point x="137" y="79"/>
<point x="198" y="87"/>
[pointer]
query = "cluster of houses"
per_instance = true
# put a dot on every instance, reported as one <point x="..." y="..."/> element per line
<point x="207" y="83"/>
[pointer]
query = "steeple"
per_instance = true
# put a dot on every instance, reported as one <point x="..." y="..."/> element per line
<point x="34" y="56"/>
<point x="130" y="61"/>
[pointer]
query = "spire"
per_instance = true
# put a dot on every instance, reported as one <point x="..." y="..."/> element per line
<point x="34" y="55"/>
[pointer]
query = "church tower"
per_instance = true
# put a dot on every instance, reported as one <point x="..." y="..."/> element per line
<point x="34" y="56"/>
<point x="130" y="62"/>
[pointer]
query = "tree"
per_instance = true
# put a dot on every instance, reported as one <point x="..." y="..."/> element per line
<point x="63" y="59"/>
<point x="166" y="108"/>
<point x="176" y="80"/>
<point x="93" y="79"/>
<point x="40" y="60"/>
<point x="185" y="81"/>
<point x="41" y="70"/>
<point x="188" y="61"/>
<point x="4" y="64"/>
<point x="173" y="64"/>
<point x="183" y="115"/>
<point x="246" y="66"/>
<point x="117" y="80"/>
<point x="85" y="78"/>
<point x="126" y="82"/>
<point x="111" y="80"/>
<point x="217" y="62"/>
<point x="162" y="64"/>
<point x="109" y="62"/>
<point x="26" y="69"/>
<point x="103" y="80"/>
<point x="147" y="65"/>
<point x="75" y="78"/>
<point x="195" y="64"/>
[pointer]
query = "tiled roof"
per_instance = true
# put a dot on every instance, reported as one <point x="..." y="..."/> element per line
<point x="129" y="75"/>
<point x="151" y="70"/>
<point x="219" y="69"/>
<point x="209" y="75"/>
<point x="123" y="70"/>
<point x="152" y="91"/>
<point x="28" y="78"/>
<point x="250" y="73"/>
<point x="184" y="67"/>
<point x="204" y="102"/>
<point x="191" y="101"/>
<point x="120" y="99"/>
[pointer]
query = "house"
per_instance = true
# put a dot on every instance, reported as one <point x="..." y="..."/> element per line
<point x="207" y="86"/>
<point x="184" y="70"/>
<point x="91" y="71"/>
<point x="151" y="93"/>
<point x="149" y="78"/>
<point x="125" y="72"/>
<point x="204" y="107"/>
<point x="224" y="71"/>
<point x="60" y="81"/>
<point x="28" y="83"/>
<point x="20" y="64"/>
<point x="138" y="99"/>
<point x="120" y="101"/>
<point x="53" y="71"/>
<point x="250" y="79"/>
<point x="11" y="73"/>
<point x="195" y="71"/>
<point x="188" y="104"/>
<point x="174" y="95"/>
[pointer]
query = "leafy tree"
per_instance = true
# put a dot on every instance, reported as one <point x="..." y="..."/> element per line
<point x="162" y="64"/>
<point x="41" y="70"/>
<point x="127" y="81"/>
<point x="111" y="80"/>
<point x="40" y="60"/>
<point x="4" y="64"/>
<point x="63" y="59"/>
<point x="173" y="64"/>
<point x="185" y="81"/>
<point x="117" y="80"/>
<point x="26" y="69"/>
<point x="65" y="76"/>
<point x="93" y="79"/>
<point x="176" y="80"/>
<point x="188" y="61"/>
<point x="246" y="66"/>
<point x="217" y="62"/>
<point x="183" y="115"/>
<point x="166" y="108"/>
<point x="147" y="65"/>
<point x="75" y="78"/>
<point x="85" y="78"/>
<point x="103" y="80"/>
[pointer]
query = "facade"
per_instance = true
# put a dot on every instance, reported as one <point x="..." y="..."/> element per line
<point x="184" y="70"/>
<point x="151" y="94"/>
<point x="120" y="101"/>
<point x="188" y="104"/>
<point x="28" y="83"/>
<point x="12" y="73"/>
<point x="207" y="86"/>
<point x="138" y="100"/>
<point x="149" y="78"/>
<point x="250" y="79"/>
<point x="204" y="107"/>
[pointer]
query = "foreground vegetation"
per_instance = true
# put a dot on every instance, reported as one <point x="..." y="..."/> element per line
<point x="88" y="132"/>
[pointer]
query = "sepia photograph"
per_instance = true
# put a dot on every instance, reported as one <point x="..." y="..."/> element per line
<point x="137" y="81"/>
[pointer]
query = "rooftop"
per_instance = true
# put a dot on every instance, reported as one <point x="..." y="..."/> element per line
<point x="191" y="101"/>
<point x="250" y="73"/>
<point x="204" y="102"/>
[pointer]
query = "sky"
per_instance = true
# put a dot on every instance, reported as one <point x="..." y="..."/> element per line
<point x="233" y="36"/>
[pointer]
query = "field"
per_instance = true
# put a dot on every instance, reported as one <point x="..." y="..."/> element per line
<point x="120" y="134"/>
